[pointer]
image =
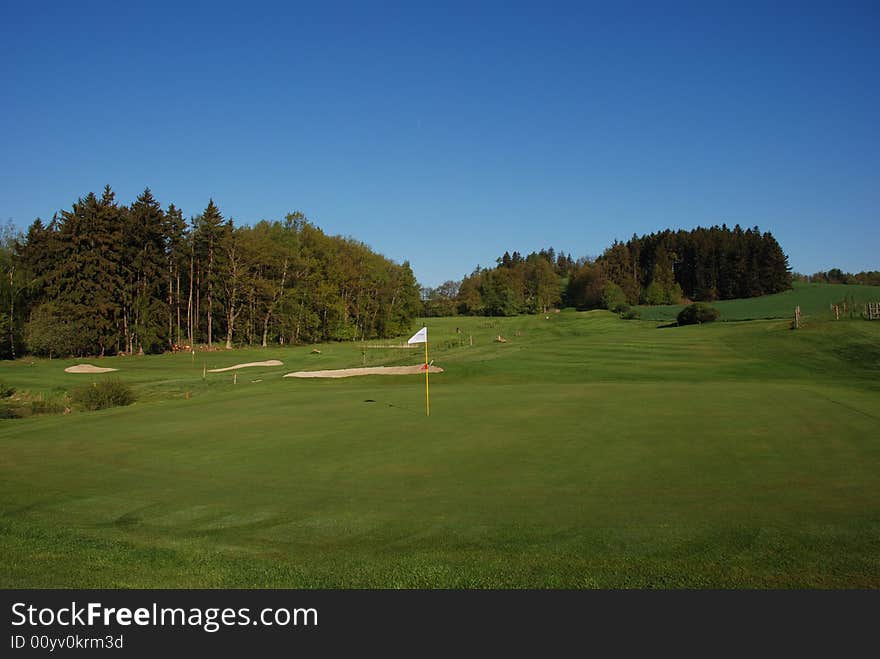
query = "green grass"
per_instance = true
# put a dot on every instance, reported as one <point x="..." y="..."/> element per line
<point x="815" y="301"/>
<point x="585" y="452"/>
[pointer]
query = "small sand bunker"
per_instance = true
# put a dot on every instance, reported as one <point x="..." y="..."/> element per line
<point x="88" y="368"/>
<point x="370" y="370"/>
<point x="271" y="362"/>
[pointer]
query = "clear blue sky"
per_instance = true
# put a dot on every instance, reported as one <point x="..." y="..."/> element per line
<point x="446" y="133"/>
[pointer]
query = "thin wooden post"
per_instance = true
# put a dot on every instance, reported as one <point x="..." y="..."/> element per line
<point x="427" y="395"/>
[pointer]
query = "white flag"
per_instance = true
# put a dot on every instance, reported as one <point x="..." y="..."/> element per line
<point x="420" y="337"/>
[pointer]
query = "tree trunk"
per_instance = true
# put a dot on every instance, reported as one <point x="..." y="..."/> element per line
<point x="135" y="338"/>
<point x="230" y="321"/>
<point x="171" y="306"/>
<point x="302" y="307"/>
<point x="210" y="291"/>
<point x="266" y="328"/>
<point x="125" y="329"/>
<point x="177" y="304"/>
<point x="252" y="312"/>
<point x="189" y="303"/>
<point x="197" y="319"/>
<point x="11" y="313"/>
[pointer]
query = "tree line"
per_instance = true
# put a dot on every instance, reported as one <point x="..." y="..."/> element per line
<point x="518" y="284"/>
<point x="667" y="267"/>
<point x="838" y="276"/>
<point x="105" y="278"/>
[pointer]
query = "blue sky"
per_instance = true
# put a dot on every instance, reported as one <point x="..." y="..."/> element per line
<point x="447" y="133"/>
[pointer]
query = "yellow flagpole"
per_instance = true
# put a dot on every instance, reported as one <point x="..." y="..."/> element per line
<point x="427" y="397"/>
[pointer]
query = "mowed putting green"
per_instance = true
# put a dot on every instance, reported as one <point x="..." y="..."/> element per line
<point x="586" y="451"/>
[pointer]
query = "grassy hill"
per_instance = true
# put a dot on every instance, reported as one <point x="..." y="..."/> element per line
<point x="584" y="452"/>
<point x="814" y="301"/>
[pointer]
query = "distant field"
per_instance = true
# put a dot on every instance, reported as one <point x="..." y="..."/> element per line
<point x="814" y="300"/>
<point x="585" y="452"/>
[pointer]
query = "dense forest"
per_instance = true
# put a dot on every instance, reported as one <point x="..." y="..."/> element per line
<point x="104" y="278"/>
<point x="661" y="268"/>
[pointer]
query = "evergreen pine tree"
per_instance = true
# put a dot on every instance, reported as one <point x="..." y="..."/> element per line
<point x="85" y="279"/>
<point x="145" y="264"/>
<point x="209" y="230"/>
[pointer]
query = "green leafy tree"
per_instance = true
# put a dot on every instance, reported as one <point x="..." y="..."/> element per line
<point x="618" y="266"/>
<point x="51" y="333"/>
<point x="470" y="302"/>
<point x="613" y="298"/>
<point x="14" y="289"/>
<point x="236" y="277"/>
<point x="543" y="283"/>
<point x="274" y="262"/>
<point x="586" y="285"/>
<point x="441" y="301"/>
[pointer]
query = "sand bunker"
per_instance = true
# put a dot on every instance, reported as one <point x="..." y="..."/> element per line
<point x="88" y="368"/>
<point x="271" y="362"/>
<point x="370" y="370"/>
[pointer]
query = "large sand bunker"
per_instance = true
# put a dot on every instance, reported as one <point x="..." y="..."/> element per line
<point x="271" y="362"/>
<point x="88" y="368"/>
<point x="369" y="370"/>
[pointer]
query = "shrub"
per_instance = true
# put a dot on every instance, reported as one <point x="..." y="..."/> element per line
<point x="613" y="298"/>
<point x="42" y="405"/>
<point x="49" y="333"/>
<point x="7" y="412"/>
<point x="697" y="313"/>
<point x="655" y="294"/>
<point x="103" y="394"/>
<point x="5" y="390"/>
<point x="630" y="314"/>
<point x="25" y="404"/>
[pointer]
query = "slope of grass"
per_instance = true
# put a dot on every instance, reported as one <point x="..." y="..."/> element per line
<point x="814" y="301"/>
<point x="585" y="452"/>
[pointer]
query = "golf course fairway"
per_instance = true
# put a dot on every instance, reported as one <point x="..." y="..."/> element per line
<point x="586" y="451"/>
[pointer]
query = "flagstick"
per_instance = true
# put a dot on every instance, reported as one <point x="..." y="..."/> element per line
<point x="427" y="397"/>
